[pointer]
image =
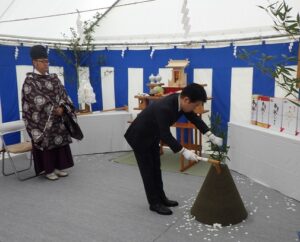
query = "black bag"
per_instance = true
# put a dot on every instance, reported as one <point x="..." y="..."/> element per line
<point x="72" y="126"/>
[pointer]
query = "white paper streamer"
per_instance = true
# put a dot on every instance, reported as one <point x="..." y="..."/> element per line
<point x="185" y="18"/>
<point x="80" y="30"/>
<point x="291" y="46"/>
<point x="152" y="52"/>
<point x="16" y="53"/>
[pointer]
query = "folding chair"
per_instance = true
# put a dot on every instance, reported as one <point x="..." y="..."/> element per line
<point x="23" y="147"/>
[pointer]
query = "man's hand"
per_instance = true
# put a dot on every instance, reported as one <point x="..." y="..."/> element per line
<point x="214" y="139"/>
<point x="189" y="155"/>
<point x="58" y="111"/>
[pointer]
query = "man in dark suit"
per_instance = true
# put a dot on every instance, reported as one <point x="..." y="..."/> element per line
<point x="151" y="126"/>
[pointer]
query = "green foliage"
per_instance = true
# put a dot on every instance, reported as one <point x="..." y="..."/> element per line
<point x="81" y="48"/>
<point x="283" y="19"/>
<point x="216" y="152"/>
<point x="272" y="66"/>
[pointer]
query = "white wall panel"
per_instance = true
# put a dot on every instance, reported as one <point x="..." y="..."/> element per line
<point x="166" y="75"/>
<point x="135" y="86"/>
<point x="0" y="119"/>
<point x="59" y="71"/>
<point x="241" y="94"/>
<point x="108" y="87"/>
<point x="279" y="91"/>
<point x="0" y="111"/>
<point x="84" y="73"/>
<point x="204" y="76"/>
<point x="21" y="71"/>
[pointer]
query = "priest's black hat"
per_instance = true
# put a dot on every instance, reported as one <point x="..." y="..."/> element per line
<point x="38" y="52"/>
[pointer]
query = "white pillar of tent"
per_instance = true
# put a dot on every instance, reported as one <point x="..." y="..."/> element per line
<point x="204" y="76"/>
<point x="108" y="87"/>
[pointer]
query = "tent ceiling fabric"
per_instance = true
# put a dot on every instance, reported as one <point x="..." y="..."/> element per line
<point x="150" y="21"/>
<point x="160" y="20"/>
<point x="47" y="28"/>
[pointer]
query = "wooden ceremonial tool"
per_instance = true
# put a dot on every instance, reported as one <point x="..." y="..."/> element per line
<point x="125" y="108"/>
<point x="215" y="163"/>
<point x="86" y="110"/>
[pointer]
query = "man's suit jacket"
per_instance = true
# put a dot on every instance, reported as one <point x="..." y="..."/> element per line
<point x="153" y="124"/>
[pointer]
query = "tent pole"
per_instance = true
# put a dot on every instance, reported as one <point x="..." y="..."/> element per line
<point x="109" y="9"/>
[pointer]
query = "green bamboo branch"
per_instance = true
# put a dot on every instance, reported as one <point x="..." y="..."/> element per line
<point x="283" y="20"/>
<point x="81" y="51"/>
<point x="218" y="152"/>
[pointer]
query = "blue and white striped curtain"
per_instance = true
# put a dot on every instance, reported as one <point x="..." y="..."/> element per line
<point x="118" y="77"/>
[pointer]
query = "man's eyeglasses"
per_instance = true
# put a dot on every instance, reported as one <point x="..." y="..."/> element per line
<point x="43" y="61"/>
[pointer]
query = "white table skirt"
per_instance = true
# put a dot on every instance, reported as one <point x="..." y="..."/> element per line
<point x="266" y="156"/>
<point x="103" y="132"/>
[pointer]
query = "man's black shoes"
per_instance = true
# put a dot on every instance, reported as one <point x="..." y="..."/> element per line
<point x="160" y="209"/>
<point x="169" y="203"/>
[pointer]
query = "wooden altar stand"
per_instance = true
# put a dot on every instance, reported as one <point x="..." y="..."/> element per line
<point x="191" y="144"/>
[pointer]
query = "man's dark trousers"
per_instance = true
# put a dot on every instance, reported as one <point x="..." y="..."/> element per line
<point x="149" y="165"/>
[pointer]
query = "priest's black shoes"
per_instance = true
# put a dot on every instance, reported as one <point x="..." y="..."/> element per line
<point x="169" y="203"/>
<point x="160" y="209"/>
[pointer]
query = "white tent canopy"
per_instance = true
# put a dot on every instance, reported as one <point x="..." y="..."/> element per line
<point x="140" y="21"/>
<point x="52" y="27"/>
<point x="161" y="20"/>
